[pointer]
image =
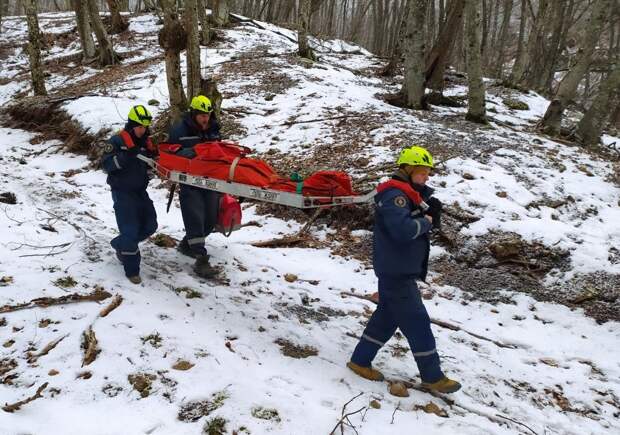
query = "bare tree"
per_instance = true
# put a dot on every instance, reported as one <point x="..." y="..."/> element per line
<point x="414" y="42"/>
<point x="84" y="30"/>
<point x="221" y="9"/>
<point x="4" y="9"/>
<point x="34" y="47"/>
<point x="591" y="124"/>
<point x="535" y="40"/>
<point x="568" y="86"/>
<point x="437" y="59"/>
<point x="303" y="22"/>
<point x="173" y="39"/>
<point x="205" y="35"/>
<point x="106" y="53"/>
<point x="503" y="38"/>
<point x="397" y="52"/>
<point x="118" y="24"/>
<point x="192" y="53"/>
<point x="519" y="64"/>
<point x="476" y="107"/>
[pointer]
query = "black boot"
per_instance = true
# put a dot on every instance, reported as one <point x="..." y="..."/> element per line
<point x="184" y="249"/>
<point x="203" y="269"/>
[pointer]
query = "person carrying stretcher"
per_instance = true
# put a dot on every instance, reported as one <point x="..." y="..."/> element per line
<point x="128" y="178"/>
<point x="400" y="257"/>
<point x="199" y="207"/>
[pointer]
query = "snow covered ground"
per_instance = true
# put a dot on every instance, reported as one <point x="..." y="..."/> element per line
<point x="559" y="372"/>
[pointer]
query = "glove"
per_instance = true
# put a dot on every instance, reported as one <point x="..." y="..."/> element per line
<point x="434" y="211"/>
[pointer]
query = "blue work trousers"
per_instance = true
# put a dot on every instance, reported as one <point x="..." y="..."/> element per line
<point x="199" y="208"/>
<point x="137" y="221"/>
<point x="400" y="306"/>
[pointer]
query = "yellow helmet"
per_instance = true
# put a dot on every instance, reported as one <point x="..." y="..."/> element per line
<point x="202" y="104"/>
<point x="415" y="156"/>
<point x="140" y="115"/>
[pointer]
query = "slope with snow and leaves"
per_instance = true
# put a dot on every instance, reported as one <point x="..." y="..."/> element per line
<point x="264" y="347"/>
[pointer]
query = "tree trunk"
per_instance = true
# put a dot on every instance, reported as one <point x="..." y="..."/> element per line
<point x="205" y="35"/>
<point x="432" y="24"/>
<point x="476" y="107"/>
<point x="437" y="60"/>
<point x="192" y="53"/>
<point x="568" y="86"/>
<point x="537" y="46"/>
<point x="533" y="43"/>
<point x="503" y="36"/>
<point x="4" y="8"/>
<point x="173" y="39"/>
<point x="118" y="25"/>
<point x="519" y="65"/>
<point x="390" y="69"/>
<point x="106" y="53"/>
<point x="83" y="26"/>
<point x="562" y="16"/>
<point x="591" y="125"/>
<point x="303" y="23"/>
<point x="414" y="42"/>
<point x="442" y="13"/>
<point x="34" y="47"/>
<point x="220" y="12"/>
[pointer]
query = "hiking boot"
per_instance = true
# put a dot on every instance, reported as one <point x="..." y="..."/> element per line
<point x="366" y="372"/>
<point x="184" y="249"/>
<point x="203" y="269"/>
<point x="135" y="279"/>
<point x="444" y="385"/>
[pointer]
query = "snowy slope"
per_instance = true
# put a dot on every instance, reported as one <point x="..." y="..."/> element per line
<point x="559" y="374"/>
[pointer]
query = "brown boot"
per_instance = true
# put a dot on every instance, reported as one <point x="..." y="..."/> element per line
<point x="135" y="279"/>
<point x="444" y="385"/>
<point x="203" y="269"/>
<point x="366" y="372"/>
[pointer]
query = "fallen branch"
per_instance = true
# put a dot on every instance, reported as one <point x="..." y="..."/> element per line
<point x="240" y="19"/>
<point x="517" y="422"/>
<point x="96" y="296"/>
<point x="442" y="324"/>
<point x="451" y="402"/>
<point x="17" y="405"/>
<point x="245" y="112"/>
<point x="116" y="301"/>
<point x="290" y="240"/>
<point x="289" y="123"/>
<point x="341" y="423"/>
<point x="51" y="250"/>
<point x="89" y="344"/>
<point x="51" y="345"/>
<point x="394" y="413"/>
<point x="262" y="56"/>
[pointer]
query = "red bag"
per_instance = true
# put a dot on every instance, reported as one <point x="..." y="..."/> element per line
<point x="322" y="183"/>
<point x="328" y="183"/>
<point x="229" y="215"/>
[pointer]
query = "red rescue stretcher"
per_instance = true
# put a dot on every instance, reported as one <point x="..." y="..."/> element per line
<point x="224" y="167"/>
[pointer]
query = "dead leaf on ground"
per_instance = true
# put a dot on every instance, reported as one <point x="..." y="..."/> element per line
<point x="182" y="365"/>
<point x="432" y="408"/>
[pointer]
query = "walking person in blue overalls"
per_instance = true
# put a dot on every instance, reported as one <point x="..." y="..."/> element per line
<point x="128" y="177"/>
<point x="400" y="257"/>
<point x="199" y="207"/>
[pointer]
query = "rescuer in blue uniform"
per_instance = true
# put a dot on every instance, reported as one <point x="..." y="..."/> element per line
<point x="199" y="207"/>
<point x="128" y="177"/>
<point x="400" y="257"/>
